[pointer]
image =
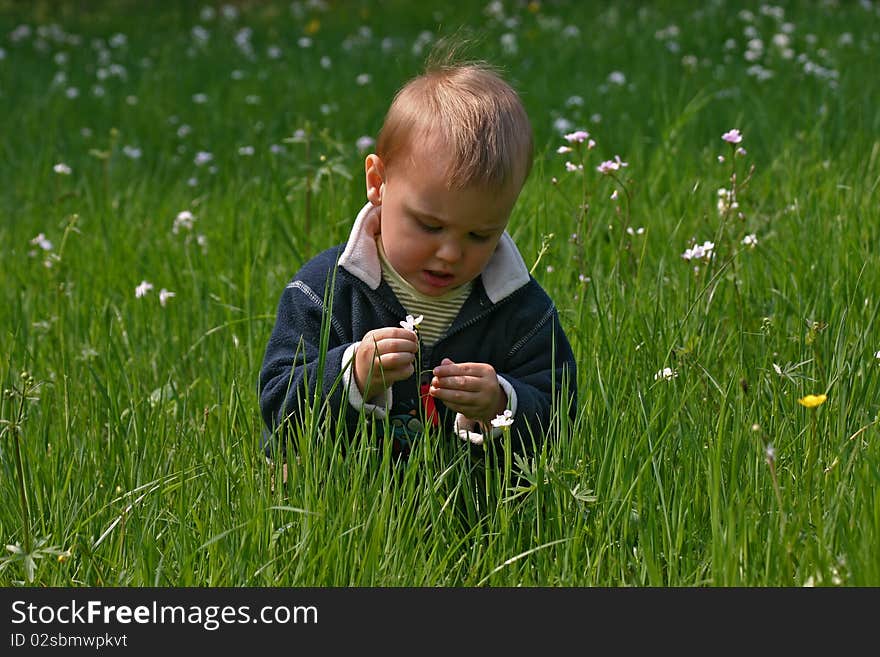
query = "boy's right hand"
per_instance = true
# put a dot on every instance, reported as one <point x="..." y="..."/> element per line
<point x="384" y="356"/>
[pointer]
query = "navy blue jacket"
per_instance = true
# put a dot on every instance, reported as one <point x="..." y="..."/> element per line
<point x="508" y="321"/>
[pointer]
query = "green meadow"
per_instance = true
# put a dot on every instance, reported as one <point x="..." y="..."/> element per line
<point x="713" y="251"/>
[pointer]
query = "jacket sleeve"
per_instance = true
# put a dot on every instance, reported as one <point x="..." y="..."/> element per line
<point x="294" y="376"/>
<point x="541" y="368"/>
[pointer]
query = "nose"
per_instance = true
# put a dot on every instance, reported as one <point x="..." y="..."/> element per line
<point x="449" y="251"/>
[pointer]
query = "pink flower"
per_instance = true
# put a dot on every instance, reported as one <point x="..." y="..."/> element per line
<point x="732" y="136"/>
<point x="578" y="136"/>
<point x="611" y="165"/>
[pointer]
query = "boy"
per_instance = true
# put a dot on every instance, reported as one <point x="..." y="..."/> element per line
<point x="453" y="154"/>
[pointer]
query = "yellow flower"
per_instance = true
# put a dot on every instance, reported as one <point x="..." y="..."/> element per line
<point x="312" y="26"/>
<point x="812" y="401"/>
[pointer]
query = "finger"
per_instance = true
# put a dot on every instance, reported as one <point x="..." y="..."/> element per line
<point x="400" y="373"/>
<point x="463" y="369"/>
<point x="399" y="333"/>
<point x="462" y="398"/>
<point x="395" y="360"/>
<point x="390" y="332"/>
<point x="460" y="383"/>
<point x="395" y="345"/>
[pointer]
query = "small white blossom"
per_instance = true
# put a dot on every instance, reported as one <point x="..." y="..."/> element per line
<point x="202" y="157"/>
<point x="577" y="137"/>
<point x="411" y="323"/>
<point x="41" y="241"/>
<point x="699" y="251"/>
<point x="667" y="374"/>
<point x="62" y="169"/>
<point x="365" y="143"/>
<point x="750" y="241"/>
<point x="611" y="165"/>
<point x="503" y="420"/>
<point x="877" y="355"/>
<point x="732" y="136"/>
<point x="142" y="289"/>
<point x="164" y="295"/>
<point x="132" y="152"/>
<point x="184" y="219"/>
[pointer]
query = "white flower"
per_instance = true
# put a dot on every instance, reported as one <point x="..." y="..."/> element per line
<point x="877" y="355"/>
<point x="699" y="251"/>
<point x="611" y="165"/>
<point x="733" y="136"/>
<point x="577" y="137"/>
<point x="184" y="219"/>
<point x="637" y="231"/>
<point x="411" y="323"/>
<point x="667" y="374"/>
<point x="164" y="295"/>
<point x="750" y="240"/>
<point x="63" y="169"/>
<point x="503" y="420"/>
<point x="132" y="152"/>
<point x="770" y="453"/>
<point x="202" y="157"/>
<point x="562" y="124"/>
<point x="41" y="241"/>
<point x="142" y="289"/>
<point x="365" y="143"/>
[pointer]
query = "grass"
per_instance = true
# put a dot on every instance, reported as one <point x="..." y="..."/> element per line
<point x="138" y="434"/>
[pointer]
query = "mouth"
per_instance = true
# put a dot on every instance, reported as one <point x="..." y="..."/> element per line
<point x="437" y="278"/>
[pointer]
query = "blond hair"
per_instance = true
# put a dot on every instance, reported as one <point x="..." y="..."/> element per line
<point x="475" y="115"/>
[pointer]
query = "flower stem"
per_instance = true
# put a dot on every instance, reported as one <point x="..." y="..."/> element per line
<point x="811" y="458"/>
<point x="19" y="467"/>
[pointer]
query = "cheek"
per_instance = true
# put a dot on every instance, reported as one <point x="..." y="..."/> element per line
<point x="479" y="256"/>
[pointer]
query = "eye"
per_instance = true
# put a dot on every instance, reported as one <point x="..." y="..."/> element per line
<point x="479" y="238"/>
<point x="428" y="228"/>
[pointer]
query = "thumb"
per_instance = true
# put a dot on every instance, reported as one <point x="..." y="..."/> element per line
<point x="447" y="361"/>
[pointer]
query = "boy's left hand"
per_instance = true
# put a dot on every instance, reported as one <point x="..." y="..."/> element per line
<point x="471" y="389"/>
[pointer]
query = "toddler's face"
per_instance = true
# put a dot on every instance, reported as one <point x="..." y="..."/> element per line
<point x="436" y="238"/>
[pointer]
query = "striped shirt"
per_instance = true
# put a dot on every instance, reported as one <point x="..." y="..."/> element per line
<point x="438" y="312"/>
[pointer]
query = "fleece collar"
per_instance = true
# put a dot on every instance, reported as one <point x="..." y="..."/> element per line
<point x="505" y="273"/>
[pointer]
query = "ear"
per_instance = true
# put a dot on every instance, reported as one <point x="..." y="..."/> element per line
<point x="374" y="169"/>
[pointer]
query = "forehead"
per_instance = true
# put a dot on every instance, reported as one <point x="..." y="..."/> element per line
<point x="428" y="157"/>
